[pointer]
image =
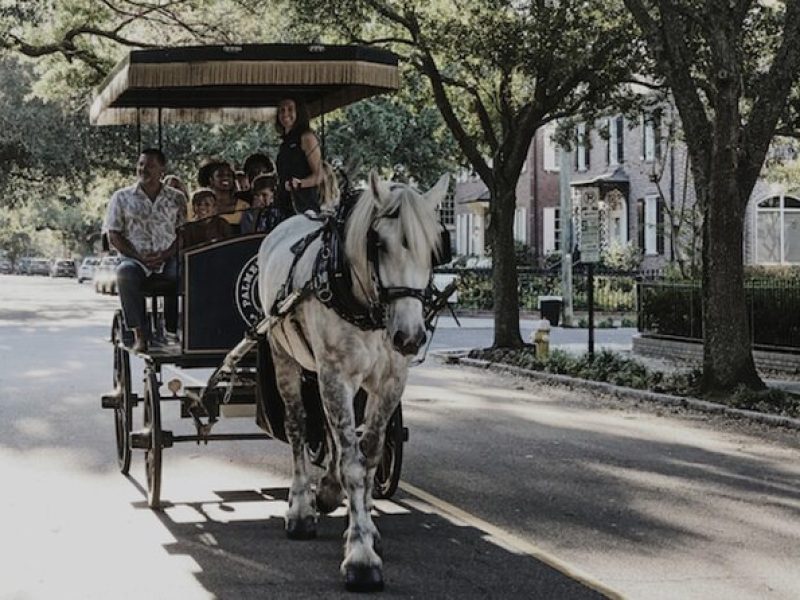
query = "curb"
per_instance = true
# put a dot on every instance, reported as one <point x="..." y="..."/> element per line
<point x="624" y="392"/>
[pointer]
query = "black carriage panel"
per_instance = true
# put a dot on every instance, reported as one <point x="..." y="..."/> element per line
<point x="220" y="287"/>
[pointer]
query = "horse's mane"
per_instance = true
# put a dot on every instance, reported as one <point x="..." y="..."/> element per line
<point x="419" y="224"/>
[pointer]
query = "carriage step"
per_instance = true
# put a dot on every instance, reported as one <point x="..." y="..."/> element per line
<point x="112" y="400"/>
<point x="140" y="440"/>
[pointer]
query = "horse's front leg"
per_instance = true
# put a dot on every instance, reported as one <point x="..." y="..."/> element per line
<point x="362" y="568"/>
<point x="301" y="523"/>
<point x="384" y="398"/>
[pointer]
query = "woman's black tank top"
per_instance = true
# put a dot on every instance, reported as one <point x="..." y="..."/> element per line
<point x="292" y="162"/>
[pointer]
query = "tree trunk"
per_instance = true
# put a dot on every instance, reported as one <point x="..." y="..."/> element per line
<point x="504" y="268"/>
<point x="727" y="351"/>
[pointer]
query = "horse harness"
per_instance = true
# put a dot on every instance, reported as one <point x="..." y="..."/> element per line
<point x="332" y="281"/>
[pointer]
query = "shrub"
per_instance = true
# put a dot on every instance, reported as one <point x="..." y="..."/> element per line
<point x="770" y="401"/>
<point x="618" y="370"/>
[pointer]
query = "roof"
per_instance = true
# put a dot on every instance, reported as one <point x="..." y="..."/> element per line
<point x="239" y="83"/>
<point x="617" y="176"/>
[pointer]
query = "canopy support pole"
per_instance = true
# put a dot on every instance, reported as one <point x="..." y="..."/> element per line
<point x="322" y="125"/>
<point x="138" y="132"/>
<point x="160" y="147"/>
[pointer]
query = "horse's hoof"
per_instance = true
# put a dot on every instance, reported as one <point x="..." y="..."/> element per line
<point x="301" y="529"/>
<point x="359" y="578"/>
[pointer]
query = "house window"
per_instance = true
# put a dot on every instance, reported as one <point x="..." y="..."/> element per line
<point x="615" y="150"/>
<point x="778" y="230"/>
<point x="552" y="153"/>
<point x="651" y="137"/>
<point x="651" y="225"/>
<point x="581" y="148"/>
<point x="447" y="209"/>
<point x="551" y="241"/>
<point x="521" y="225"/>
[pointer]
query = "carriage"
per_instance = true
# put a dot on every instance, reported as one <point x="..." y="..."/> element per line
<point x="222" y="323"/>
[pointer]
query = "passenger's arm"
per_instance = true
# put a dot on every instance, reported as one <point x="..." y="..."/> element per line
<point x="123" y="246"/>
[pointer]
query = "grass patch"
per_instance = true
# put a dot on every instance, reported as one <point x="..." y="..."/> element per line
<point x="613" y="368"/>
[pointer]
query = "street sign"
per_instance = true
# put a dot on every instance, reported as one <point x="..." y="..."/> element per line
<point x="590" y="225"/>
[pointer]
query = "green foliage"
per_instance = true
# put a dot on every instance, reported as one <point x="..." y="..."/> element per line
<point x="606" y="366"/>
<point x="402" y="136"/>
<point x="621" y="257"/>
<point x="768" y="401"/>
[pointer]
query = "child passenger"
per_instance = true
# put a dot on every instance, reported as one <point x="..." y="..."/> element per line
<point x="207" y="226"/>
<point x="264" y="214"/>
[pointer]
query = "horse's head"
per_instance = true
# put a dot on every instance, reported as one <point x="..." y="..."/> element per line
<point x="392" y="237"/>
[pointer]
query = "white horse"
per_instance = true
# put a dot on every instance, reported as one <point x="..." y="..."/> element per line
<point x="390" y="239"/>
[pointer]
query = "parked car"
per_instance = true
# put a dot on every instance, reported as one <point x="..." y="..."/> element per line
<point x="63" y="267"/>
<point x="87" y="268"/>
<point x="39" y="266"/>
<point x="5" y="266"/>
<point x="105" y="275"/>
<point x="23" y="265"/>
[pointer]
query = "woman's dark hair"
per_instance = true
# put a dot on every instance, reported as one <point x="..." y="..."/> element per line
<point x="207" y="168"/>
<point x="302" y="122"/>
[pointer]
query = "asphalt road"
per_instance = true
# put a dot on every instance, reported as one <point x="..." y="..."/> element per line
<point x="504" y="480"/>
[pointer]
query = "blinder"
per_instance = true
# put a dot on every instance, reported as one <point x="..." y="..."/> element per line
<point x="392" y="293"/>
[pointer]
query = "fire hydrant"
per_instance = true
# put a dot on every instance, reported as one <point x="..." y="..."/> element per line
<point x="541" y="339"/>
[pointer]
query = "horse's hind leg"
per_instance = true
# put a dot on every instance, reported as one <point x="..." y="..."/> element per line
<point x="362" y="567"/>
<point x="301" y="516"/>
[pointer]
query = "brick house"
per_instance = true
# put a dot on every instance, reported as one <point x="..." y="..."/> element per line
<point x="646" y="196"/>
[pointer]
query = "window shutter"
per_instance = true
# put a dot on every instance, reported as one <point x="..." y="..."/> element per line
<point x="586" y="152"/>
<point x="620" y="139"/>
<point x="640" y="222"/>
<point x="660" y="226"/>
<point x="609" y="141"/>
<point x="657" y="135"/>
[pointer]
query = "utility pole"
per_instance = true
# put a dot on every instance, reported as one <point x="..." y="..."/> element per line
<point x="565" y="212"/>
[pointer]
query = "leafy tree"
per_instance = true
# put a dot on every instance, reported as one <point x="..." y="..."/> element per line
<point x="58" y="171"/>
<point x="497" y="70"/>
<point x="731" y="65"/>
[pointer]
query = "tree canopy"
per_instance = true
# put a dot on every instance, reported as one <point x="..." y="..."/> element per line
<point x="731" y="66"/>
<point x="52" y="53"/>
<point x="497" y="71"/>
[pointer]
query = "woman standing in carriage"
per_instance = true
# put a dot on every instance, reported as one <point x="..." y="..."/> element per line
<point x="299" y="159"/>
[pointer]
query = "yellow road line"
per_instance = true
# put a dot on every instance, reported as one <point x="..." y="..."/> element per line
<point x="513" y="541"/>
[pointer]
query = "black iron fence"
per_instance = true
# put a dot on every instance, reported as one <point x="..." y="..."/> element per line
<point x="613" y="291"/>
<point x="675" y="310"/>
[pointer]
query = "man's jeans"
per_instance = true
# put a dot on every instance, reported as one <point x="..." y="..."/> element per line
<point x="131" y="281"/>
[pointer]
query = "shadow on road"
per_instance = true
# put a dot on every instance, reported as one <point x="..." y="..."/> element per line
<point x="242" y="551"/>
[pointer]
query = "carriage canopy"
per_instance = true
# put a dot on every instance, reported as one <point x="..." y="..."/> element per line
<point x="239" y="83"/>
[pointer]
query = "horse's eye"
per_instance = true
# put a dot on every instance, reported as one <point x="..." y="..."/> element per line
<point x="405" y="243"/>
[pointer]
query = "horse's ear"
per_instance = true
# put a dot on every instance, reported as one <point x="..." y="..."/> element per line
<point x="437" y="193"/>
<point x="376" y="186"/>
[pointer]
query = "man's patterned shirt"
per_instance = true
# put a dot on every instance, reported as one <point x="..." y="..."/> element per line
<point x="149" y="225"/>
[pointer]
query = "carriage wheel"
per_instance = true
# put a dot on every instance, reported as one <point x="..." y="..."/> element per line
<point x="152" y="455"/>
<point x="387" y="475"/>
<point x="123" y="413"/>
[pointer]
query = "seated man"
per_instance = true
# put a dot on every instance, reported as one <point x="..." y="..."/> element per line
<point x="141" y="223"/>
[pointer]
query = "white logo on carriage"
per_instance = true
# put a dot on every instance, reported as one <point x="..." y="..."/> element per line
<point x="247" y="300"/>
